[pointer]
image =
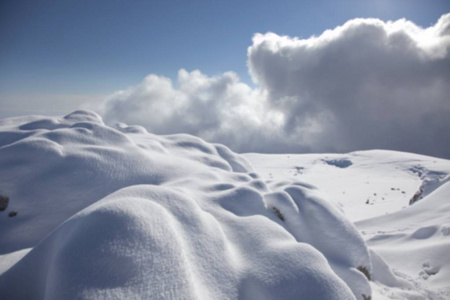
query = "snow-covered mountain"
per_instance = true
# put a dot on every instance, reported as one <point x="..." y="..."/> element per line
<point x="89" y="211"/>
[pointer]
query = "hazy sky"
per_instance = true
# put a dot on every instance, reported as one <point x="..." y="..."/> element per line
<point x="303" y="93"/>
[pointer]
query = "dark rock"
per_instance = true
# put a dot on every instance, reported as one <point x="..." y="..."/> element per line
<point x="3" y="202"/>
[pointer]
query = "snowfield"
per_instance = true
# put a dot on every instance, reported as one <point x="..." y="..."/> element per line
<point x="401" y="205"/>
<point x="89" y="211"/>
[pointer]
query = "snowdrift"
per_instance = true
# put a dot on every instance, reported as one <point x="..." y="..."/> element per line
<point x="96" y="212"/>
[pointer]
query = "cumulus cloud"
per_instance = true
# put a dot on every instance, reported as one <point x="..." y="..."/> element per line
<point x="376" y="84"/>
<point x="363" y="85"/>
<point x="219" y="109"/>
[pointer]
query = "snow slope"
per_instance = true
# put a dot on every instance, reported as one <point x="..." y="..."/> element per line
<point x="365" y="183"/>
<point x="416" y="242"/>
<point x="402" y="202"/>
<point x="96" y="212"/>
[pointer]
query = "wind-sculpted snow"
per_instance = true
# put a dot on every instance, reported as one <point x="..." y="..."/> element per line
<point x="119" y="213"/>
<point x="419" y="233"/>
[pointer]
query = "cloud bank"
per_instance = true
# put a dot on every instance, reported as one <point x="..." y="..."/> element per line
<point x="363" y="85"/>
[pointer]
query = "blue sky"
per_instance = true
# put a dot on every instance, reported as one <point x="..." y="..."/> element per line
<point x="365" y="84"/>
<point x="96" y="47"/>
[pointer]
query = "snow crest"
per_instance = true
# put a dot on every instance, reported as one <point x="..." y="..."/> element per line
<point x="121" y="213"/>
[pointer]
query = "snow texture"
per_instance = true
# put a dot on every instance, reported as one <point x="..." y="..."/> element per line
<point x="409" y="241"/>
<point x="415" y="241"/>
<point x="119" y="213"/>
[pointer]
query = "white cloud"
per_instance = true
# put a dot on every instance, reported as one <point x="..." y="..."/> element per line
<point x="366" y="84"/>
<point x="219" y="109"/>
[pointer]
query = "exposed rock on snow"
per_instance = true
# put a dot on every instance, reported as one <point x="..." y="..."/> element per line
<point x="431" y="180"/>
<point x="340" y="163"/>
<point x="4" y="200"/>
<point x="121" y="213"/>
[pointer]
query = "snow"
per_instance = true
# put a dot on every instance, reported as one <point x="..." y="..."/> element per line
<point x="415" y="241"/>
<point x="116" y="212"/>
<point x="400" y="202"/>
<point x="384" y="180"/>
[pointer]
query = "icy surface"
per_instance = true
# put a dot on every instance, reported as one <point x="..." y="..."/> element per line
<point x="119" y="213"/>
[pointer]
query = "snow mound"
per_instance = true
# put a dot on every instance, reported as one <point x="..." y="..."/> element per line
<point x="103" y="212"/>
